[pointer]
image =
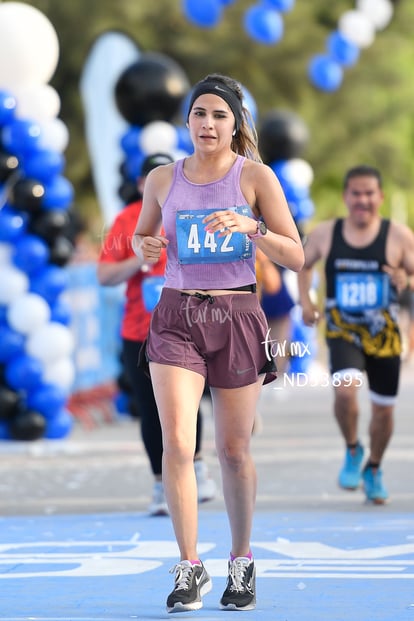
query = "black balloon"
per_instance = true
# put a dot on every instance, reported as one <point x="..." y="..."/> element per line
<point x="27" y="195"/>
<point x="48" y="224"/>
<point x="151" y="89"/>
<point x="61" y="251"/>
<point x="128" y="192"/>
<point x="8" y="165"/>
<point x="9" y="403"/>
<point x="282" y="136"/>
<point x="27" y="426"/>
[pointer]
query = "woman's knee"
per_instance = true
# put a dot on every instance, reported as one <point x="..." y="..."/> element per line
<point x="233" y="456"/>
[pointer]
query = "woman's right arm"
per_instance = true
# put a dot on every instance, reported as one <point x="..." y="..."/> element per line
<point x="147" y="242"/>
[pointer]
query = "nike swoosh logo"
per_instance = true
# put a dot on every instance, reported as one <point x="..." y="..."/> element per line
<point x="242" y="371"/>
<point x="217" y="88"/>
<point x="197" y="580"/>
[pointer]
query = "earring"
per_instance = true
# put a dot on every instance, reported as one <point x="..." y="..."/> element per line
<point x="234" y="132"/>
<point x="187" y="125"/>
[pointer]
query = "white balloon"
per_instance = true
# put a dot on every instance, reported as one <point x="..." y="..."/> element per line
<point x="158" y="136"/>
<point x="6" y="252"/>
<point x="178" y="154"/>
<point x="28" y="313"/>
<point x="13" y="284"/>
<point x="357" y="28"/>
<point x="298" y="172"/>
<point x="54" y="135"/>
<point x="40" y="102"/>
<point x="379" y="12"/>
<point x="50" y="342"/>
<point x="60" y="372"/>
<point x="29" y="46"/>
<point x="291" y="281"/>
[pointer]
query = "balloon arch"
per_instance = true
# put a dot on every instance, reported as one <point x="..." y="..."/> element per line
<point x="36" y="344"/>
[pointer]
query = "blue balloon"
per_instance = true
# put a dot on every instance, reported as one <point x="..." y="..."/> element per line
<point x="30" y="253"/>
<point x="206" y="13"/>
<point x="21" y="136"/>
<point x="4" y="431"/>
<point x="7" y="107"/>
<point x="249" y="103"/>
<point x="305" y="209"/>
<point x="342" y="50"/>
<point x="59" y="193"/>
<point x="294" y="193"/>
<point x="12" y="225"/>
<point x="23" y="372"/>
<point x="61" y="312"/>
<point x="263" y="24"/>
<point x="121" y="403"/>
<point x="44" y="164"/>
<point x="185" y="105"/>
<point x="60" y="425"/>
<point x="133" y="165"/>
<point x="278" y="167"/>
<point x="130" y="140"/>
<point x="12" y="343"/>
<point x="325" y="73"/>
<point x="280" y="5"/>
<point x="3" y="314"/>
<point x="46" y="399"/>
<point x="151" y="291"/>
<point x="50" y="282"/>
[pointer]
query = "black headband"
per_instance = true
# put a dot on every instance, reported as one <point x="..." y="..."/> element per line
<point x="221" y="90"/>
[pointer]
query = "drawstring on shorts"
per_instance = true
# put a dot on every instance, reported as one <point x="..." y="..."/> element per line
<point x="200" y="296"/>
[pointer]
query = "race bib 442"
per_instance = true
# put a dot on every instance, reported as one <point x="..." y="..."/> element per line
<point x="196" y="245"/>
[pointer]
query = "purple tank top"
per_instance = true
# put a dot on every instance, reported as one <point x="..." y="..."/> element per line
<point x="197" y="259"/>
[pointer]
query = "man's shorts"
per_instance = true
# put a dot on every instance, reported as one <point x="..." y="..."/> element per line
<point x="382" y="373"/>
<point x="223" y="338"/>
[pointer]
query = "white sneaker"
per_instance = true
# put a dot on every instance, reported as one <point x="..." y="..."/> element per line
<point x="158" y="505"/>
<point x="206" y="487"/>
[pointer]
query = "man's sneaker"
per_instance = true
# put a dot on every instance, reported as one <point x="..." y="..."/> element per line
<point x="350" y="475"/>
<point x="240" y="593"/>
<point x="206" y="487"/>
<point x="158" y="505"/>
<point x="373" y="486"/>
<point x="191" y="583"/>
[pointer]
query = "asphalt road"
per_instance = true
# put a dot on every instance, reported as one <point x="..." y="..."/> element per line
<point x="298" y="453"/>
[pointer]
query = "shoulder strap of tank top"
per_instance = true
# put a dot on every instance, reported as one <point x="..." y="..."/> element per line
<point x="337" y="232"/>
<point x="238" y="165"/>
<point x="384" y="228"/>
<point x="178" y="168"/>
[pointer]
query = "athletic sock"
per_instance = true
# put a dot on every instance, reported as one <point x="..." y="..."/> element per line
<point x="249" y="555"/>
<point x="371" y="464"/>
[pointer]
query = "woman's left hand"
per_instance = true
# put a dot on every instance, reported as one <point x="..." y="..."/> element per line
<point x="226" y="221"/>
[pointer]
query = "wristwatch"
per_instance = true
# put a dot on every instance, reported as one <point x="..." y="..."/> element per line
<point x="261" y="230"/>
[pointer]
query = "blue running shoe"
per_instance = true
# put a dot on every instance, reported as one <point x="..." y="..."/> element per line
<point x="373" y="486"/>
<point x="350" y="475"/>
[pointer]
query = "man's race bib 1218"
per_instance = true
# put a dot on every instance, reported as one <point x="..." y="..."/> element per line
<point x="357" y="292"/>
<point x="196" y="245"/>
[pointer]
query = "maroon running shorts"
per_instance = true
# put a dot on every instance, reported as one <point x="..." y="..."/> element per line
<point x="223" y="338"/>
